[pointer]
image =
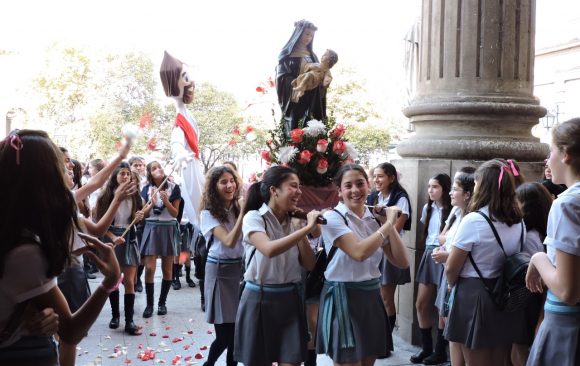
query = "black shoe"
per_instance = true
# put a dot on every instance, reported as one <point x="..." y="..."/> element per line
<point x="132" y="329"/>
<point x="148" y="312"/>
<point x="435" y="359"/>
<point x="176" y="283"/>
<point x="94" y="269"/>
<point x="162" y="310"/>
<point x="139" y="286"/>
<point x="190" y="282"/>
<point x="420" y="356"/>
<point x="114" y="323"/>
<point x="90" y="276"/>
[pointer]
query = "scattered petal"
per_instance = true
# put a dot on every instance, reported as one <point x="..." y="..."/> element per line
<point x="152" y="334"/>
<point x="177" y="339"/>
<point x="190" y="332"/>
<point x="166" y="336"/>
<point x="203" y="348"/>
<point x="198" y="356"/>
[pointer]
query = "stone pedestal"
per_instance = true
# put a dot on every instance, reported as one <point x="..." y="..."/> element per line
<point x="475" y="84"/>
<point x="415" y="174"/>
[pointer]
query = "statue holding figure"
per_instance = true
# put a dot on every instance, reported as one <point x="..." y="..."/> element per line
<point x="178" y="84"/>
<point x="314" y="74"/>
<point x="292" y="61"/>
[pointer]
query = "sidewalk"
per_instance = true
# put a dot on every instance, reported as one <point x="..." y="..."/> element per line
<point x="176" y="338"/>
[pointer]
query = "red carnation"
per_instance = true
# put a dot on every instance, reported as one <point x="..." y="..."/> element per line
<point x="249" y="129"/>
<point x="152" y="144"/>
<point x="145" y="120"/>
<point x="305" y="156"/>
<point x="338" y="147"/>
<point x="232" y="142"/>
<point x="338" y="131"/>
<point x="296" y="135"/>
<point x="321" y="145"/>
<point x="322" y="166"/>
<point x="265" y="154"/>
<point x="260" y="89"/>
<point x="236" y="131"/>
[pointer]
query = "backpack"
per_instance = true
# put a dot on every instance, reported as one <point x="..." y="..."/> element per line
<point x="510" y="293"/>
<point x="200" y="251"/>
<point x="373" y="199"/>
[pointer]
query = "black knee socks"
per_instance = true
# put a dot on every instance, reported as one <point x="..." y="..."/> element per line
<point x="441" y="344"/>
<point x="175" y="271"/>
<point x="310" y="358"/>
<point x="392" y="322"/>
<point x="187" y="272"/>
<point x="114" y="300"/>
<point x="224" y="339"/>
<point x="427" y="340"/>
<point x="150" y="291"/>
<point x="165" y="286"/>
<point x="140" y="270"/>
<point x="129" y="307"/>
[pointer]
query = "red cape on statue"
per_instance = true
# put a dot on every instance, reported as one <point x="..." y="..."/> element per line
<point x="189" y="132"/>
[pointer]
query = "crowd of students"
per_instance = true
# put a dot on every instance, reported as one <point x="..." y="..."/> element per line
<point x="254" y="237"/>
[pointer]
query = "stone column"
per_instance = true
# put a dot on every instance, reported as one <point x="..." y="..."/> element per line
<point x="475" y="84"/>
<point x="474" y="102"/>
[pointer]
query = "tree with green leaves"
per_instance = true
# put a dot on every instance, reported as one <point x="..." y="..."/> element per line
<point x="223" y="131"/>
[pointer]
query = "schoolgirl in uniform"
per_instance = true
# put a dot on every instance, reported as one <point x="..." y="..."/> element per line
<point x="475" y="324"/>
<point x="352" y="325"/>
<point x="221" y="225"/>
<point x="38" y="219"/>
<point x="535" y="201"/>
<point x="433" y="217"/>
<point x="126" y="248"/>
<point x="271" y="323"/>
<point x="558" y="339"/>
<point x="389" y="192"/>
<point x="160" y="235"/>
<point x="461" y="193"/>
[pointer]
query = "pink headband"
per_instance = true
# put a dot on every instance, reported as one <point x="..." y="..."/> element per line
<point x="507" y="168"/>
<point x="16" y="143"/>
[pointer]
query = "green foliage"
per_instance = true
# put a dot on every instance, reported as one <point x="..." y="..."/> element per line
<point x="218" y="115"/>
<point x="63" y="86"/>
<point x="368" y="139"/>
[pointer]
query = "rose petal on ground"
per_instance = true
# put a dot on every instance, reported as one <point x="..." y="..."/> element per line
<point x="203" y="348"/>
<point x="198" y="356"/>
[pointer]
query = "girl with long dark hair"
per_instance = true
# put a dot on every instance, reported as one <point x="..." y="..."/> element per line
<point x="221" y="225"/>
<point x="353" y="323"/>
<point x="271" y="322"/>
<point x="126" y="248"/>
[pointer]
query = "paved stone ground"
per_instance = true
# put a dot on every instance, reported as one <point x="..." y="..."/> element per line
<point x="176" y="338"/>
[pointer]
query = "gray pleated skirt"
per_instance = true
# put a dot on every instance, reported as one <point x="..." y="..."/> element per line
<point x="392" y="275"/>
<point x="222" y="285"/>
<point x="441" y="294"/>
<point x="557" y="341"/>
<point x="474" y="319"/>
<point x="30" y="350"/>
<point x="369" y="324"/>
<point x="429" y="272"/>
<point x="73" y="284"/>
<point x="270" y="327"/>
<point x="160" y="238"/>
<point x="127" y="253"/>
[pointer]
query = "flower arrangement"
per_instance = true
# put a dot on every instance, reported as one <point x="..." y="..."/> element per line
<point x="315" y="151"/>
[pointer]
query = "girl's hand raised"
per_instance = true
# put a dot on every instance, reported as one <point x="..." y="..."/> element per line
<point x="125" y="190"/>
<point x="312" y="218"/>
<point x="393" y="213"/>
<point x="139" y="215"/>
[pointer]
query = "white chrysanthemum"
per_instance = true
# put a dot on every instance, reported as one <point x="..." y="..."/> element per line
<point x="351" y="151"/>
<point x="314" y="128"/>
<point x="287" y="154"/>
